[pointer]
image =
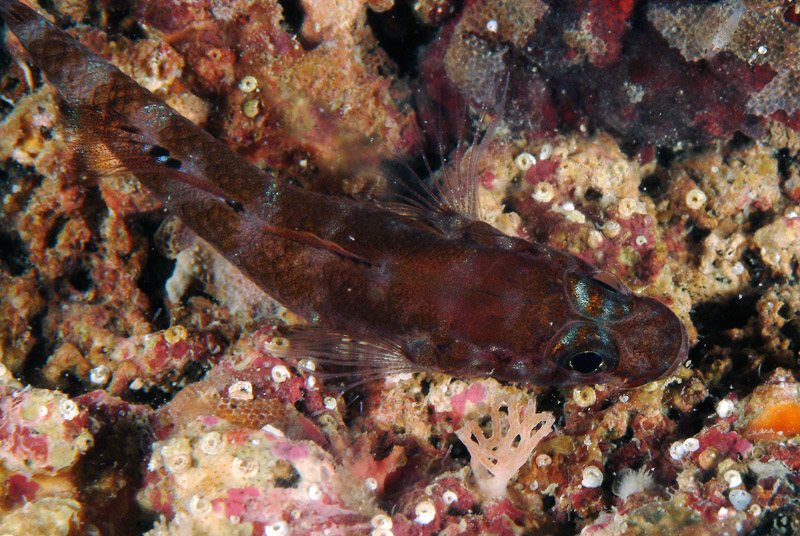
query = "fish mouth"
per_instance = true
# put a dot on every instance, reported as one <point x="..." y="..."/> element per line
<point x="683" y="351"/>
<point x="680" y="357"/>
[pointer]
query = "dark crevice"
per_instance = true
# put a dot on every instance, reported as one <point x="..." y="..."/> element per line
<point x="157" y="270"/>
<point x="13" y="254"/>
<point x="711" y="318"/>
<point x="592" y="195"/>
<point x="739" y="141"/>
<point x="116" y="17"/>
<point x="70" y="384"/>
<point x="37" y="358"/>
<point x="399" y="33"/>
<point x="51" y="238"/>
<point x="121" y="445"/>
<point x="81" y="278"/>
<point x="756" y="269"/>
<point x="692" y="422"/>
<point x="696" y="234"/>
<point x="665" y="156"/>
<point x="655" y="186"/>
<point x="783" y="521"/>
<point x="155" y="397"/>
<point x="759" y="219"/>
<point x="784" y="158"/>
<point x="293" y="15"/>
<point x="5" y="80"/>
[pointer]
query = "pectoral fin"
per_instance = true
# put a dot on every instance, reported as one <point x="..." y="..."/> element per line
<point x="339" y="356"/>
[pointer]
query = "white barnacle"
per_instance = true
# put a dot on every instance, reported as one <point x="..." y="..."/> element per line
<point x="595" y="239"/>
<point x="449" y="497"/>
<point x="576" y="216"/>
<point x="611" y="228"/>
<point x="592" y="477"/>
<point x="308" y="365"/>
<point x="199" y="506"/>
<point x="211" y="443"/>
<point x="627" y="207"/>
<point x="280" y="374"/>
<point x="67" y="409"/>
<point x="492" y="26"/>
<point x="584" y="396"/>
<point x="279" y="528"/>
<point x="381" y="521"/>
<point x="244" y="468"/>
<point x="640" y="240"/>
<point x="691" y="444"/>
<point x="724" y="408"/>
<point x="248" y="84"/>
<point x="546" y="151"/>
<point x="543" y="192"/>
<point x="177" y="463"/>
<point x="311" y="382"/>
<point x="381" y="532"/>
<point x="276" y="344"/>
<point x="424" y="512"/>
<point x="314" y="493"/>
<point x="371" y="484"/>
<point x="695" y="198"/>
<point x="733" y="478"/>
<point x="241" y="390"/>
<point x="524" y="161"/>
<point x="175" y="334"/>
<point x="99" y="375"/>
<point x="543" y="460"/>
<point x="250" y="108"/>
<point x="329" y="402"/>
<point x="83" y="442"/>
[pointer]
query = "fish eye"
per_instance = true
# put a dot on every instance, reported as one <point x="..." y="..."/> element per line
<point x="587" y="362"/>
<point x="608" y="281"/>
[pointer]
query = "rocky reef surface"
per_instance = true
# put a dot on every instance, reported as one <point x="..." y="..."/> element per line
<point x="139" y="388"/>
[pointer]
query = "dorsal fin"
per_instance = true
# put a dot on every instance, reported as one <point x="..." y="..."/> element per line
<point x="124" y="149"/>
<point x="454" y="190"/>
<point x="109" y="145"/>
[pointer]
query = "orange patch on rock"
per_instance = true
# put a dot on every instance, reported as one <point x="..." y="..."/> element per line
<point x="780" y="420"/>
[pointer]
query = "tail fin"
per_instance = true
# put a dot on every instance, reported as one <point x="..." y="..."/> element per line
<point x="56" y="53"/>
<point x="136" y="129"/>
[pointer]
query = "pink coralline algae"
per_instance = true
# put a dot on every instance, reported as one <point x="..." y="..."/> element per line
<point x="41" y="433"/>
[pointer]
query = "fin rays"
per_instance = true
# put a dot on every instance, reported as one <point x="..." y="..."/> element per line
<point x="341" y="356"/>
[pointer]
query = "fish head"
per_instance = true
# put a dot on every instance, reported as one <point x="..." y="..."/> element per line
<point x="613" y="335"/>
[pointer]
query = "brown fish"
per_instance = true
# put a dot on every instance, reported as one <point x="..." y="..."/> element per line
<point x="391" y="288"/>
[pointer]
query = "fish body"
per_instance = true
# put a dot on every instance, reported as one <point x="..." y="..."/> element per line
<point x="425" y="289"/>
